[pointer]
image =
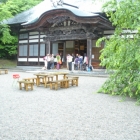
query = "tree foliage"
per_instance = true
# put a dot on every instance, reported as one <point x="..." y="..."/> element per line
<point x="9" y="8"/>
<point x="122" y="50"/>
<point x="3" y="1"/>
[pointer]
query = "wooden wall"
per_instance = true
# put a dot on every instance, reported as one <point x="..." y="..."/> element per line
<point x="95" y="60"/>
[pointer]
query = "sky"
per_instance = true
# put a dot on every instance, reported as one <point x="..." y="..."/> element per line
<point x="87" y="5"/>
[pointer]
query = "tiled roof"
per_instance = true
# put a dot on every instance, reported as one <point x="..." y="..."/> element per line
<point x="34" y="13"/>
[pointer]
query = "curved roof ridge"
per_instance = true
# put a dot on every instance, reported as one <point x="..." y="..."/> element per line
<point x="76" y="13"/>
<point x="35" y="12"/>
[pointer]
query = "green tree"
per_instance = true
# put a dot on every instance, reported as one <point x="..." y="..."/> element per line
<point x="121" y="55"/>
<point x="9" y="8"/>
<point x="2" y="1"/>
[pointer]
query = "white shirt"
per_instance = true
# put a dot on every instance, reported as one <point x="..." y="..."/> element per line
<point x="85" y="59"/>
<point x="55" y="59"/>
<point x="69" y="58"/>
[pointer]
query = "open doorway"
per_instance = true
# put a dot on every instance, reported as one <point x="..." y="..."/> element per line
<point x="60" y="48"/>
<point x="80" y="47"/>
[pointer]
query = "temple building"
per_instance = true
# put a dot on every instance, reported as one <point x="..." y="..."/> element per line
<point x="53" y="27"/>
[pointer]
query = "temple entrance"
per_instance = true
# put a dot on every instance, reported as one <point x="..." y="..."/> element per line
<point x="70" y="47"/>
<point x="80" y="47"/>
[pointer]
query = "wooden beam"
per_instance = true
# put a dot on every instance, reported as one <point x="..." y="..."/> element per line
<point x="68" y="37"/>
<point x="64" y="28"/>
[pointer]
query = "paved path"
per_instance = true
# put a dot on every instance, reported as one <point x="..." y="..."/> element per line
<point x="95" y="72"/>
<point x="76" y="113"/>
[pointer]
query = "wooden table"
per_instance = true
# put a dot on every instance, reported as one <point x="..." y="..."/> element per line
<point x="41" y="78"/>
<point x="56" y="74"/>
<point x="44" y="78"/>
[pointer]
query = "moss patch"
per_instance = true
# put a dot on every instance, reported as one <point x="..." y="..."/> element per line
<point x="4" y="63"/>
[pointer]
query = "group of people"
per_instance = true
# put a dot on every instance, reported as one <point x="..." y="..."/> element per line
<point x="52" y="61"/>
<point x="77" y="62"/>
<point x="74" y="62"/>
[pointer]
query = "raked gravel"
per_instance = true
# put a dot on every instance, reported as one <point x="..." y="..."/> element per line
<point x="76" y="113"/>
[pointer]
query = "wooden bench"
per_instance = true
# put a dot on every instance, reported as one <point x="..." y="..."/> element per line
<point x="33" y="79"/>
<point x="49" y="79"/>
<point x="64" y="83"/>
<point x="73" y="80"/>
<point x="43" y="79"/>
<point x="3" y="70"/>
<point x="25" y="84"/>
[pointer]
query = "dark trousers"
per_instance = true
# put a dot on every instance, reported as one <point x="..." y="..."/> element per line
<point x="70" y="65"/>
<point x="49" y="65"/>
<point x="76" y="66"/>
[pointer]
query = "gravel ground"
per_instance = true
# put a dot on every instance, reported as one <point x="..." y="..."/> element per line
<point x="76" y="113"/>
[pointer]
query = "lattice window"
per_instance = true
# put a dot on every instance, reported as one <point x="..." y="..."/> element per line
<point x="42" y="50"/>
<point x="22" y="50"/>
<point x="23" y="36"/>
<point x="33" y="50"/>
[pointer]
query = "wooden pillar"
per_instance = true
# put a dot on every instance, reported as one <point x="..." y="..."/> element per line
<point x="89" y="50"/>
<point x="48" y="43"/>
<point x="64" y="52"/>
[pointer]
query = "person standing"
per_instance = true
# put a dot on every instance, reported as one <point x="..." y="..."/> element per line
<point x="48" y="60"/>
<point x="58" y="58"/>
<point x="85" y="59"/>
<point x="80" y="62"/>
<point x="55" y="61"/>
<point x="73" y="58"/>
<point x="45" y="61"/>
<point x="76" y="62"/>
<point x="69" y="59"/>
<point x="52" y="61"/>
<point x="61" y="58"/>
<point x="85" y="62"/>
